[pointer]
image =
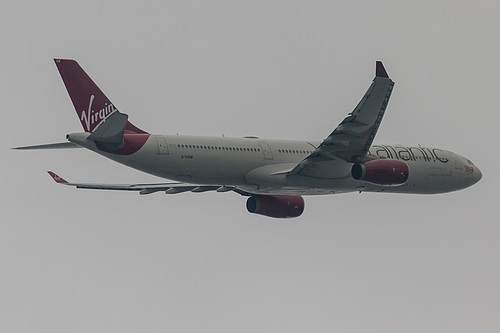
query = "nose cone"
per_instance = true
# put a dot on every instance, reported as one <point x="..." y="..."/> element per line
<point x="472" y="172"/>
<point x="477" y="175"/>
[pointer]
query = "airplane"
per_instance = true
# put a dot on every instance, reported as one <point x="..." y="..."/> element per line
<point x="273" y="174"/>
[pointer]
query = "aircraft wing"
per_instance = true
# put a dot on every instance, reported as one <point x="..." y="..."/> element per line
<point x="168" y="188"/>
<point x="352" y="138"/>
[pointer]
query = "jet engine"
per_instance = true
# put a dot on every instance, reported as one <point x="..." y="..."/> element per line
<point x="279" y="206"/>
<point x="381" y="172"/>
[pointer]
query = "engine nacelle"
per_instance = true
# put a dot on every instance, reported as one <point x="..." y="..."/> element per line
<point x="381" y="172"/>
<point x="279" y="206"/>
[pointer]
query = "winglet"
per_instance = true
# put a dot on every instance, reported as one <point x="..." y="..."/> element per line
<point x="58" y="179"/>
<point x="380" y="70"/>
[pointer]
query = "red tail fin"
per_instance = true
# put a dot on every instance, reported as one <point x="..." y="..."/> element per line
<point x="91" y="105"/>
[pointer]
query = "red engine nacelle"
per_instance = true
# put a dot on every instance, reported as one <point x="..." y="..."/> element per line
<point x="381" y="172"/>
<point x="279" y="206"/>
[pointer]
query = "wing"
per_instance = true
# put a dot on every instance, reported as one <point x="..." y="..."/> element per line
<point x="168" y="188"/>
<point x="352" y="138"/>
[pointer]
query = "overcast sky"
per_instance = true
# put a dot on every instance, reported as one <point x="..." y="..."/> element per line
<point x="89" y="261"/>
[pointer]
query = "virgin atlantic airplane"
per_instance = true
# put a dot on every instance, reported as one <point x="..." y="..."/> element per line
<point x="273" y="174"/>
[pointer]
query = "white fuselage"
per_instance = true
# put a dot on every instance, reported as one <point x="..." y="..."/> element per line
<point x="260" y="166"/>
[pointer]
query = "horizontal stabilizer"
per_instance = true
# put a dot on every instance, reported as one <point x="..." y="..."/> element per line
<point x="60" y="145"/>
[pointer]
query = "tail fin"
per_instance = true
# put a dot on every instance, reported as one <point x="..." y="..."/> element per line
<point x="91" y="105"/>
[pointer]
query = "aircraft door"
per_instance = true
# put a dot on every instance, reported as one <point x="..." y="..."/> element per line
<point x="162" y="145"/>
<point x="268" y="154"/>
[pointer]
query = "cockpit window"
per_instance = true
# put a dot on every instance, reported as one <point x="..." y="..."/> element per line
<point x="470" y="162"/>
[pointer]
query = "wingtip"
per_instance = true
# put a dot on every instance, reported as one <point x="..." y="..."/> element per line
<point x="59" y="60"/>
<point x="57" y="179"/>
<point x="380" y="70"/>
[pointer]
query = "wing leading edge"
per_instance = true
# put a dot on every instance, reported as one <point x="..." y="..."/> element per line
<point x="352" y="138"/>
<point x="168" y="188"/>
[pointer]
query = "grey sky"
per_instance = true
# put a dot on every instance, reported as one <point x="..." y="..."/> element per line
<point x="79" y="261"/>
